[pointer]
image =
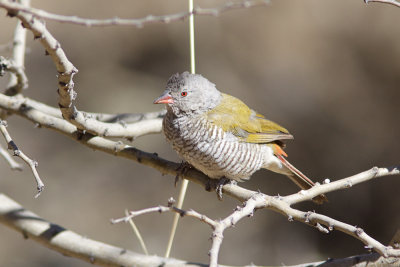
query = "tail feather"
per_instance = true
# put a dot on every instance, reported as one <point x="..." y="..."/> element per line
<point x="300" y="179"/>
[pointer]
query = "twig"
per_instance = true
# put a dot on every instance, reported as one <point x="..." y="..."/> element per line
<point x="150" y="19"/>
<point x="344" y="183"/>
<point x="13" y="164"/>
<point x="17" y="152"/>
<point x="389" y="2"/>
<point x="18" y="82"/>
<point x="326" y="224"/>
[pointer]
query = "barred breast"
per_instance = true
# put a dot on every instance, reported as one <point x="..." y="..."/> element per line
<point x="211" y="150"/>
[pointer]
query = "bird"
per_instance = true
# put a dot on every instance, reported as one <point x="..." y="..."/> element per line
<point x="221" y="136"/>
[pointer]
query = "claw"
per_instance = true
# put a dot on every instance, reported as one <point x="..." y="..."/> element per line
<point x="221" y="182"/>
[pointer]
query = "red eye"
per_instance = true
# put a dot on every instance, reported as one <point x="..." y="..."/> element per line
<point x="184" y="93"/>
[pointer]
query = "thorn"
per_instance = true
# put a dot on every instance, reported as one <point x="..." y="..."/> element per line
<point x="171" y="202"/>
<point x="326" y="181"/>
<point x="359" y="231"/>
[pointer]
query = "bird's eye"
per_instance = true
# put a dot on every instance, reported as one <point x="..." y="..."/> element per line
<point x="184" y="93"/>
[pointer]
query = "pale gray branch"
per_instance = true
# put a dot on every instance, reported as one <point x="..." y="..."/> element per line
<point x="18" y="81"/>
<point x="344" y="183"/>
<point x="83" y="121"/>
<point x="17" y="152"/>
<point x="150" y="19"/>
<point x="218" y="226"/>
<point x="389" y="2"/>
<point x="72" y="244"/>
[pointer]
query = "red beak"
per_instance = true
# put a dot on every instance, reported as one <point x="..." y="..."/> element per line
<point x="166" y="98"/>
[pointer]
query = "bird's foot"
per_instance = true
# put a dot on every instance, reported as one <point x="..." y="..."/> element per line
<point x="217" y="185"/>
<point x="181" y="171"/>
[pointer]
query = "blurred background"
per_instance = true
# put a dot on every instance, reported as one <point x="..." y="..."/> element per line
<point x="329" y="71"/>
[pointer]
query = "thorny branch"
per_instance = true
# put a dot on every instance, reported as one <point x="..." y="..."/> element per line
<point x="150" y="19"/>
<point x="75" y="245"/>
<point x="84" y="122"/>
<point x="218" y="226"/>
<point x="17" y="152"/>
<point x="321" y="222"/>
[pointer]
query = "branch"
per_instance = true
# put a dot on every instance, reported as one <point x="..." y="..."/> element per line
<point x="150" y="19"/>
<point x="218" y="226"/>
<point x="123" y="118"/>
<point x="18" y="82"/>
<point x="83" y="121"/>
<point x="389" y="2"/>
<point x="344" y="183"/>
<point x="72" y="244"/>
<point x="17" y="152"/>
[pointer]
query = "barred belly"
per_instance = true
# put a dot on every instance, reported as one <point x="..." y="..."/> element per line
<point x="211" y="150"/>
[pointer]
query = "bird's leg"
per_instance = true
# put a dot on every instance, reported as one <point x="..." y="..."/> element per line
<point x="181" y="171"/>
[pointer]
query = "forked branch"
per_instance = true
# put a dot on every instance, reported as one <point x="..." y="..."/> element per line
<point x="18" y="153"/>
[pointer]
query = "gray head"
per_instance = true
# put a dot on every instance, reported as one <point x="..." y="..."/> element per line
<point x="189" y="94"/>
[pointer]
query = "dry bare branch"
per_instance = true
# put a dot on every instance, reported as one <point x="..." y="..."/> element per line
<point x="150" y="19"/>
<point x="72" y="244"/>
<point x="17" y="152"/>
<point x="83" y="121"/>
<point x="389" y="2"/>
<point x="18" y="79"/>
<point x="18" y="82"/>
<point x="218" y="226"/>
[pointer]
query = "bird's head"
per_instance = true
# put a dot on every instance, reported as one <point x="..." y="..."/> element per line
<point x="189" y="94"/>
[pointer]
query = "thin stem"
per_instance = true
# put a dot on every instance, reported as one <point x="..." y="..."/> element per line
<point x="185" y="183"/>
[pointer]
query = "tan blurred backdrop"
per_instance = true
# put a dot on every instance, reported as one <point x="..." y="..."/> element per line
<point x="329" y="71"/>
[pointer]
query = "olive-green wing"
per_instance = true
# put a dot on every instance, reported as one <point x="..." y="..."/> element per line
<point x="232" y="115"/>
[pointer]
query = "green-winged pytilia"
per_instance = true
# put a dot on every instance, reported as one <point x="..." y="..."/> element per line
<point x="220" y="135"/>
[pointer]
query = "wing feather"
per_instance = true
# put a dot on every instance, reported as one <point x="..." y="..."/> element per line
<point x="236" y="117"/>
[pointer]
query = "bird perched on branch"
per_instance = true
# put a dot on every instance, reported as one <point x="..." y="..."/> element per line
<point x="220" y="135"/>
